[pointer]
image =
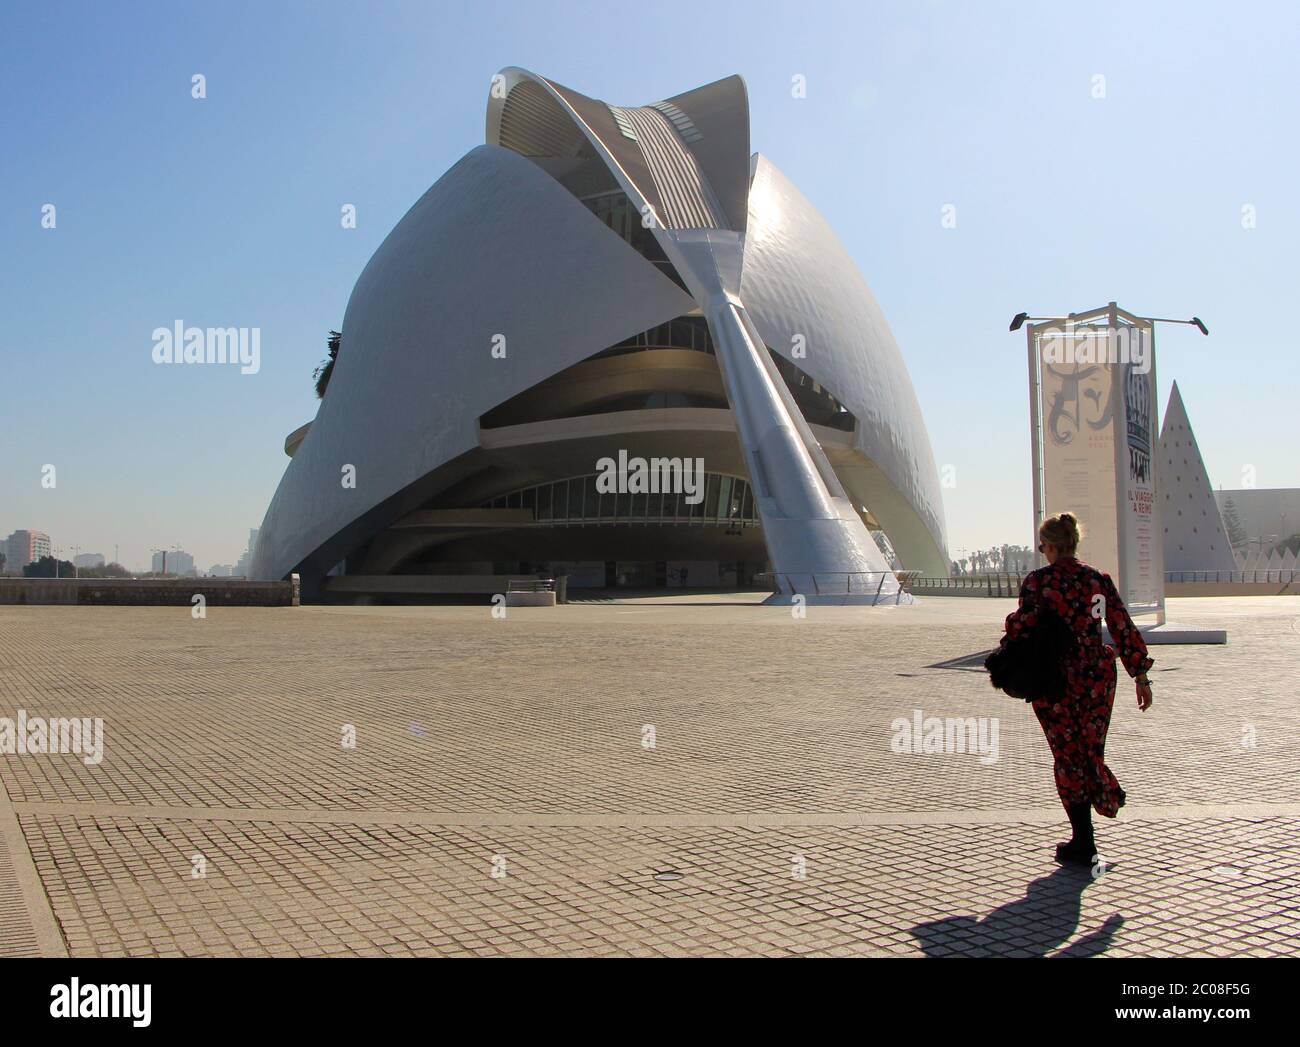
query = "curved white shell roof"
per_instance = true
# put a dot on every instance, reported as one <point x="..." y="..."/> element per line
<point x="798" y="279"/>
<point x="496" y="247"/>
<point x="499" y="247"/>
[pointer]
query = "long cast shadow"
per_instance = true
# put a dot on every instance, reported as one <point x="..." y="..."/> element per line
<point x="1035" y="925"/>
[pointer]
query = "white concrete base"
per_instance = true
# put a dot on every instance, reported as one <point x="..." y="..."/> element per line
<point x="1172" y="633"/>
<point x="842" y="599"/>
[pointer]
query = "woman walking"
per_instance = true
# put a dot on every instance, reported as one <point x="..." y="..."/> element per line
<point x="1076" y="723"/>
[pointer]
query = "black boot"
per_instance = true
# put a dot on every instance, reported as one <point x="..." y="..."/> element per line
<point x="1082" y="846"/>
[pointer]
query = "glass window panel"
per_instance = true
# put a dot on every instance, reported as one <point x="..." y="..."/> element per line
<point x="624" y="502"/>
<point x="544" y="502"/>
<point x="514" y="500"/>
<point x="591" y="507"/>
<point x="710" y="505"/>
<point x="575" y="499"/>
<point x="639" y="506"/>
<point x="748" y="511"/>
<point x="654" y="506"/>
<point x="528" y="498"/>
<point x="724" y="498"/>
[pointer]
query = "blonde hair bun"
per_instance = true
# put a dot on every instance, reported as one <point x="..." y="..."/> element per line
<point x="1061" y="531"/>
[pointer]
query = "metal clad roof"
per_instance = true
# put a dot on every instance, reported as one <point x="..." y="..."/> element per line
<point x="533" y="123"/>
<point x="685" y="199"/>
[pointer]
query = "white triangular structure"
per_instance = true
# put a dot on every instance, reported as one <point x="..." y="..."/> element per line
<point x="1275" y="565"/>
<point x="1194" y="534"/>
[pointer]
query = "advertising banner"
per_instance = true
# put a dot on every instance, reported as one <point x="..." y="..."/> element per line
<point x="1094" y="409"/>
<point x="1078" y="443"/>
<point x="1141" y="559"/>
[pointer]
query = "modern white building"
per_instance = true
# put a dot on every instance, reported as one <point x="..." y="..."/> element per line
<point x="600" y="284"/>
<point x="1260" y="520"/>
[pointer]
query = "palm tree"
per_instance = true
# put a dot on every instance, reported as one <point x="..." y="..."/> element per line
<point x="323" y="372"/>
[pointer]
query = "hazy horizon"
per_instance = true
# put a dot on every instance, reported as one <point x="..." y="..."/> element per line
<point x="1169" y="191"/>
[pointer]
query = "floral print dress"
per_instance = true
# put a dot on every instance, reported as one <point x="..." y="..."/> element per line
<point x="1076" y="725"/>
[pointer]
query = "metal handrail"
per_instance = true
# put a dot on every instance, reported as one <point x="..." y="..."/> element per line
<point x="530" y="585"/>
<point x="1004" y="581"/>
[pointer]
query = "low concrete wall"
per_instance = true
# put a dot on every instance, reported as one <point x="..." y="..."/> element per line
<point x="1232" y="589"/>
<point x="546" y="599"/>
<point x="149" y="592"/>
<point x="977" y="585"/>
<point x="418" y="584"/>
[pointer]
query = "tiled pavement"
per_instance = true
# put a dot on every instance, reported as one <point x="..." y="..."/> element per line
<point x="502" y="797"/>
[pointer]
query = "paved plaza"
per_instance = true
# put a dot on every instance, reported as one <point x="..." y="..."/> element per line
<point x="687" y="775"/>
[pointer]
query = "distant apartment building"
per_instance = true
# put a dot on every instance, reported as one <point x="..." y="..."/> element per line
<point x="221" y="570"/>
<point x="173" y="561"/>
<point x="88" y="560"/>
<point x="24" y="547"/>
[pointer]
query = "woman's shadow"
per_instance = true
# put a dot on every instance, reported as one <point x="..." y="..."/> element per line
<point x="1035" y="925"/>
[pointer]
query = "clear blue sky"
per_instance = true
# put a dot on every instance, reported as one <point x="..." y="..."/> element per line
<point x="225" y="212"/>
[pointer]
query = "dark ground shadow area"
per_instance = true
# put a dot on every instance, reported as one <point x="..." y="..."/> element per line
<point x="971" y="663"/>
<point x="1038" y="924"/>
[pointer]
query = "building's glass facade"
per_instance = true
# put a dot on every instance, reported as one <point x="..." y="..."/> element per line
<point x="577" y="501"/>
<point x="616" y="211"/>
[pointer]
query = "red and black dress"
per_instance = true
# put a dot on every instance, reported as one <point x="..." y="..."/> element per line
<point x="1076" y="725"/>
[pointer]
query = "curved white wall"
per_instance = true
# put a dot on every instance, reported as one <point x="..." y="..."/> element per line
<point x="799" y="279"/>
<point x="496" y="246"/>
